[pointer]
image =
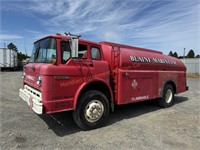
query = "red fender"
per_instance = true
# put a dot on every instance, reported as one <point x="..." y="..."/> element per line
<point x="84" y="84"/>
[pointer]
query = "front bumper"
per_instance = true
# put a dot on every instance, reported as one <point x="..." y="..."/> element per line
<point x="33" y="98"/>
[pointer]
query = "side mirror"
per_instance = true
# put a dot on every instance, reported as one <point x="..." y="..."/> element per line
<point x="27" y="61"/>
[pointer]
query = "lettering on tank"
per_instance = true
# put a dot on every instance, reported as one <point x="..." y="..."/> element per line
<point x="143" y="59"/>
<point x="140" y="59"/>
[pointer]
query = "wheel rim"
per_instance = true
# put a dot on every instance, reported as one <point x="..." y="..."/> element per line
<point x="168" y="96"/>
<point x="93" y="111"/>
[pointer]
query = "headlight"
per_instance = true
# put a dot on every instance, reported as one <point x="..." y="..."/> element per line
<point x="23" y="75"/>
<point x="39" y="81"/>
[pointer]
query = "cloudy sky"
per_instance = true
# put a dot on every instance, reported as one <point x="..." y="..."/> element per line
<point x="155" y="24"/>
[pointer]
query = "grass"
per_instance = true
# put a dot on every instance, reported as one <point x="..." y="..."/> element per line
<point x="193" y="75"/>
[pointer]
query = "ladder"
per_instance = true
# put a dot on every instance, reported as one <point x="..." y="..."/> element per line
<point x="115" y="62"/>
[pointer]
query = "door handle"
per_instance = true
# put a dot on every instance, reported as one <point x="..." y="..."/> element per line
<point x="88" y="63"/>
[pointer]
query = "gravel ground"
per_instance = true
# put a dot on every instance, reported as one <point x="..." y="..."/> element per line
<point x="137" y="126"/>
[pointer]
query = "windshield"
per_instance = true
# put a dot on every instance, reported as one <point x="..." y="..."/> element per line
<point x="44" y="51"/>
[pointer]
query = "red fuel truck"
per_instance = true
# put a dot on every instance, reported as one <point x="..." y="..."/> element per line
<point x="68" y="73"/>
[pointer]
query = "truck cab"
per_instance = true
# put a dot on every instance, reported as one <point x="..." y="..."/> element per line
<point x="61" y="70"/>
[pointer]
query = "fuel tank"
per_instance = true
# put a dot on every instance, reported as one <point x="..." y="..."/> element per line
<point x="134" y="58"/>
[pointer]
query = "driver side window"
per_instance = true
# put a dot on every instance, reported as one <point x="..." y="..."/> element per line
<point x="66" y="52"/>
<point x="82" y="51"/>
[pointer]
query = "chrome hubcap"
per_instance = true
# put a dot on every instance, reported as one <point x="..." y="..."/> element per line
<point x="168" y="96"/>
<point x="93" y="111"/>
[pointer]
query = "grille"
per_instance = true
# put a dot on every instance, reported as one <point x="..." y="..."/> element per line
<point x="33" y="92"/>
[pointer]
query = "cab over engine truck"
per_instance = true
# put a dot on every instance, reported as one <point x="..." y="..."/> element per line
<point x="68" y="73"/>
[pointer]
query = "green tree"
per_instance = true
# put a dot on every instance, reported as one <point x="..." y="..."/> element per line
<point x="175" y="55"/>
<point x="191" y="54"/>
<point x="12" y="46"/>
<point x="180" y="57"/>
<point x="21" y="56"/>
<point x="170" y="53"/>
<point x="198" y="56"/>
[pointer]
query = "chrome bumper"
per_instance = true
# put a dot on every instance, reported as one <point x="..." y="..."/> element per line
<point x="33" y="98"/>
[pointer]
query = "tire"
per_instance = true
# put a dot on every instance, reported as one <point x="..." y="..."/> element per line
<point x="92" y="110"/>
<point x="167" y="99"/>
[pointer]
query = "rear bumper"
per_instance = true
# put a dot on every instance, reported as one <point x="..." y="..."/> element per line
<point x="33" y="98"/>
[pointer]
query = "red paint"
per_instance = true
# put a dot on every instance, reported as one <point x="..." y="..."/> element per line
<point x="131" y="74"/>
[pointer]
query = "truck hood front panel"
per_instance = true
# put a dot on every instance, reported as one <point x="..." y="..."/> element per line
<point x="32" y="71"/>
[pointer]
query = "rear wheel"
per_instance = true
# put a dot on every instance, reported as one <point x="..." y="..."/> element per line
<point x="92" y="110"/>
<point x="167" y="99"/>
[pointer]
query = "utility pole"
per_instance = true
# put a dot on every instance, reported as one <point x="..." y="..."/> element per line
<point x="184" y="53"/>
<point x="4" y="45"/>
<point x="25" y="46"/>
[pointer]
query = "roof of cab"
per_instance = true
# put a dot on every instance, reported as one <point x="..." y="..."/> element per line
<point x="60" y="36"/>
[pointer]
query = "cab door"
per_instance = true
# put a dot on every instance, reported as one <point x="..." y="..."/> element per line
<point x="100" y="68"/>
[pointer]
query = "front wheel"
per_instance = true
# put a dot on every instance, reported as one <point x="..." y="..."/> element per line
<point x="92" y="110"/>
<point x="167" y="99"/>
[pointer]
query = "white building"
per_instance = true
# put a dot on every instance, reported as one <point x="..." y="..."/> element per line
<point x="192" y="65"/>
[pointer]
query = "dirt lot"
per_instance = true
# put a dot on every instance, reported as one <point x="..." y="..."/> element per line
<point x="136" y="126"/>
